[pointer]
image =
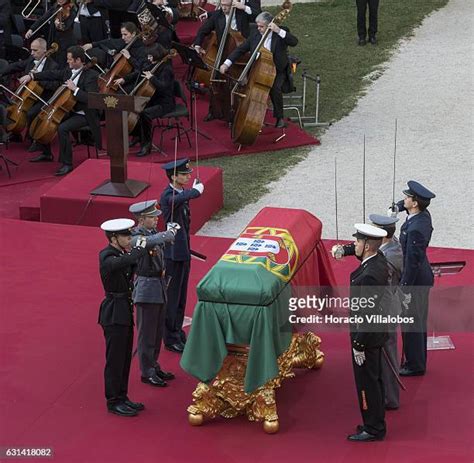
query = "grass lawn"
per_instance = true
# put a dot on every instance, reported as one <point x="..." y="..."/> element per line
<point x="327" y="46"/>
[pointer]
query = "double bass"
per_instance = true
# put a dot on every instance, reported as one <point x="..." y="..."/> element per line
<point x="26" y="96"/>
<point x="252" y="96"/>
<point x="44" y="127"/>
<point x="145" y="88"/>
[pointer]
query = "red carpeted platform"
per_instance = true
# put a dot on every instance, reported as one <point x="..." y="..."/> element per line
<point x="70" y="202"/>
<point x="51" y="384"/>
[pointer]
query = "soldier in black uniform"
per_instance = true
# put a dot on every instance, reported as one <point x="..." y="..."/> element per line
<point x="368" y="282"/>
<point x="174" y="203"/>
<point x="417" y="277"/>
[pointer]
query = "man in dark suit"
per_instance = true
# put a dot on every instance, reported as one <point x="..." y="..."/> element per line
<point x="92" y="17"/>
<point x="368" y="283"/>
<point x="361" y="20"/>
<point x="417" y="277"/>
<point x="149" y="294"/>
<point x="39" y="62"/>
<point x="174" y="203"/>
<point x="277" y="42"/>
<point x="81" y="81"/>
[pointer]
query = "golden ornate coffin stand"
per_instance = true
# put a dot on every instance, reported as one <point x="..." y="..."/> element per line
<point x="226" y="396"/>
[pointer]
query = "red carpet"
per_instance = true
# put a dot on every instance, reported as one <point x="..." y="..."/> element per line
<point x="51" y="386"/>
<point x="70" y="201"/>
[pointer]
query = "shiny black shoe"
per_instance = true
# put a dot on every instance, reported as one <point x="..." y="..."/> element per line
<point x="43" y="157"/>
<point x="209" y="117"/>
<point x="364" y="436"/>
<point x="177" y="347"/>
<point x="164" y="375"/>
<point x="359" y="428"/>
<point x="408" y="372"/>
<point x="373" y="40"/>
<point x="362" y="42"/>
<point x="134" y="142"/>
<point x="154" y="380"/>
<point x="145" y="151"/>
<point x="135" y="405"/>
<point x="34" y="147"/>
<point x="122" y="409"/>
<point x="280" y="123"/>
<point x="63" y="170"/>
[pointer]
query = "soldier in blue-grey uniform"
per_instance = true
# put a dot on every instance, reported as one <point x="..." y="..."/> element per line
<point x="174" y="203"/>
<point x="417" y="277"/>
<point x="149" y="293"/>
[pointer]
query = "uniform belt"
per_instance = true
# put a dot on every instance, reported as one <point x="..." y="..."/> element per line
<point x="152" y="275"/>
<point x="117" y="295"/>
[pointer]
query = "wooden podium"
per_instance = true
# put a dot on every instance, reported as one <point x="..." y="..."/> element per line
<point x="116" y="108"/>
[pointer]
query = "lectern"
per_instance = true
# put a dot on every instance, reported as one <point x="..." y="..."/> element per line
<point x="116" y="111"/>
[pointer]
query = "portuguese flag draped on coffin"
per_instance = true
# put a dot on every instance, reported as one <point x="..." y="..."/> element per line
<point x="243" y="299"/>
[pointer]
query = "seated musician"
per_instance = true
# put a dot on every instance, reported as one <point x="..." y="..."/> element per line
<point x="39" y="62"/>
<point x="135" y="53"/>
<point x="81" y="81"/>
<point x="277" y="42"/>
<point x="167" y="34"/>
<point x="162" y="101"/>
<point x="61" y="28"/>
<point x="92" y="17"/>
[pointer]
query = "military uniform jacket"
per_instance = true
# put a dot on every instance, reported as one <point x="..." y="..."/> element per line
<point x="181" y="250"/>
<point x="369" y="282"/>
<point x="394" y="255"/>
<point x="150" y="279"/>
<point x="116" y="272"/>
<point x="415" y="236"/>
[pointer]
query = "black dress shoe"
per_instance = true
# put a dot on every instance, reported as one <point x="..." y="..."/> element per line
<point x="146" y="149"/>
<point x="122" y="409"/>
<point x="34" y="147"/>
<point x="373" y="40"/>
<point x="134" y="141"/>
<point x="362" y="42"/>
<point x="135" y="405"/>
<point x="154" y="380"/>
<point x="364" y="436"/>
<point x="43" y="157"/>
<point x="178" y="347"/>
<point x="209" y="117"/>
<point x="408" y="372"/>
<point x="280" y="123"/>
<point x="65" y="169"/>
<point x="359" y="428"/>
<point x="164" y="375"/>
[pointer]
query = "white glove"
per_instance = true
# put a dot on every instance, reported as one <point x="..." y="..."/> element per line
<point x="173" y="227"/>
<point x="337" y="251"/>
<point x="197" y="185"/>
<point x="406" y="301"/>
<point x="359" y="357"/>
<point x="393" y="211"/>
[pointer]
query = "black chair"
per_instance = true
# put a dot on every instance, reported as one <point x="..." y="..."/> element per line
<point x="83" y="137"/>
<point x="174" y="117"/>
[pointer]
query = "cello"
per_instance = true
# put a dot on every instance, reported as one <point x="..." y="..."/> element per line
<point x="253" y="95"/>
<point x="145" y="88"/>
<point x="26" y="96"/>
<point x="44" y="127"/>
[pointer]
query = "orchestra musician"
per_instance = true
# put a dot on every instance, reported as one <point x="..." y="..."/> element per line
<point x="40" y="62"/>
<point x="162" y="101"/>
<point x="92" y="17"/>
<point x="277" y="42"/>
<point x="61" y="28"/>
<point x="131" y="46"/>
<point x="81" y="81"/>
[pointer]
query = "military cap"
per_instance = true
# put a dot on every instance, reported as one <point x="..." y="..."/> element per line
<point x="145" y="208"/>
<point x="418" y="190"/>
<point x="383" y="220"/>
<point x="118" y="226"/>
<point x="368" y="232"/>
<point x="181" y="166"/>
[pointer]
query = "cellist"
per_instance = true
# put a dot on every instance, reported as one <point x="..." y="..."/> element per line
<point x="40" y="62"/>
<point x="277" y="42"/>
<point x="162" y="101"/>
<point x="80" y="81"/>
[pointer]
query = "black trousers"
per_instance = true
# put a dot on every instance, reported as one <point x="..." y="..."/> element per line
<point x="146" y="120"/>
<point x="276" y="95"/>
<point x="370" y="391"/>
<point x="177" y="295"/>
<point x="361" y="17"/>
<point x="414" y="335"/>
<point x="74" y="122"/>
<point x="118" y="357"/>
<point x="93" y="28"/>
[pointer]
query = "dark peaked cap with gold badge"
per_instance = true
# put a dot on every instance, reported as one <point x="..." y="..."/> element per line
<point x="181" y="166"/>
<point x="145" y="208"/>
<point x="418" y="190"/>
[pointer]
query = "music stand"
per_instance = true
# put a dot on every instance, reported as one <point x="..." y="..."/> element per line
<point x="191" y="57"/>
<point x="443" y="269"/>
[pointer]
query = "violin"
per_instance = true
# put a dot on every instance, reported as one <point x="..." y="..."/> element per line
<point x="145" y="88"/>
<point x="62" y="15"/>
<point x="44" y="127"/>
<point x="26" y="96"/>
